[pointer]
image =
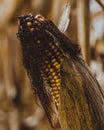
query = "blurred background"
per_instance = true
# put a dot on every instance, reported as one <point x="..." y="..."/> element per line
<point x="18" y="108"/>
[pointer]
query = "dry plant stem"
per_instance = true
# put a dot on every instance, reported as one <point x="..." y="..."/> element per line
<point x="101" y="3"/>
<point x="83" y="27"/>
<point x="10" y="8"/>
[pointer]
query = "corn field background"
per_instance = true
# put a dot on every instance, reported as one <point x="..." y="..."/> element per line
<point x="18" y="107"/>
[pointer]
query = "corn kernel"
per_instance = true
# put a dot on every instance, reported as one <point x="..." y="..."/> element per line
<point x="55" y="63"/>
<point x="52" y="46"/>
<point x="54" y="88"/>
<point x="53" y="60"/>
<point x="58" y="66"/>
<point x="57" y="96"/>
<point x="58" y="84"/>
<point x="46" y="69"/>
<point x="38" y="41"/>
<point x="53" y="74"/>
<point x="50" y="76"/>
<point x="55" y="92"/>
<point x="55" y="77"/>
<point x="29" y="24"/>
<point x="52" y="81"/>
<point x="53" y="85"/>
<point x="51" y="70"/>
<point x="57" y="80"/>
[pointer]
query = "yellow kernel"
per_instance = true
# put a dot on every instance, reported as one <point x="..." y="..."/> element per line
<point x="53" y="85"/>
<point x="58" y="66"/>
<point x="53" y="74"/>
<point x="51" y="70"/>
<point x="50" y="76"/>
<point x="57" y="96"/>
<point x="55" y="63"/>
<point x="57" y="53"/>
<point x="52" y="81"/>
<point x="54" y="88"/>
<point x="29" y="24"/>
<point x="58" y="87"/>
<point x="58" y="84"/>
<point x="55" y="77"/>
<point x="53" y="60"/>
<point x="57" y="80"/>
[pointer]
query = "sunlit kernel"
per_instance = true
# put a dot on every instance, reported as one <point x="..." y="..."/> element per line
<point x="55" y="63"/>
<point x="58" y="66"/>
<point x="53" y="74"/>
<point x="29" y="24"/>
<point x="58" y="84"/>
<point x="58" y="87"/>
<point x="51" y="70"/>
<point x="55" y="88"/>
<point x="57" y="80"/>
<point x="55" y="77"/>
